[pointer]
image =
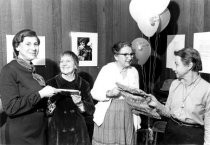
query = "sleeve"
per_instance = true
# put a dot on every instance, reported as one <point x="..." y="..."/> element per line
<point x="165" y="109"/>
<point x="103" y="82"/>
<point x="135" y="78"/>
<point x="134" y="82"/>
<point x="87" y="98"/>
<point x="52" y="82"/>
<point x="13" y="103"/>
<point x="207" y="119"/>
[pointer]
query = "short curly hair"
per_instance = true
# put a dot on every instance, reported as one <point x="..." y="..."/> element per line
<point x="188" y="55"/>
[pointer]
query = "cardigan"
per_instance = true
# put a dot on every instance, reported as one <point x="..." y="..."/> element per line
<point x="106" y="80"/>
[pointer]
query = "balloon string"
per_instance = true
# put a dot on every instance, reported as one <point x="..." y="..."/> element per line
<point x="150" y="64"/>
<point x="155" y="57"/>
<point x="144" y="78"/>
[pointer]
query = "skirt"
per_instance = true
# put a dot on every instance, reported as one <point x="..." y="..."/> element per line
<point x="117" y="128"/>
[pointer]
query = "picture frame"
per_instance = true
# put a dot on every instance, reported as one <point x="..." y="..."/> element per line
<point x="85" y="46"/>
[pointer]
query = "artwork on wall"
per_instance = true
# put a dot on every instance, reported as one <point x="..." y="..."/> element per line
<point x="40" y="60"/>
<point x="201" y="43"/>
<point x="85" y="46"/>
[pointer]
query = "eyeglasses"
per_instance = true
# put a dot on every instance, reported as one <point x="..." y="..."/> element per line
<point x="126" y="54"/>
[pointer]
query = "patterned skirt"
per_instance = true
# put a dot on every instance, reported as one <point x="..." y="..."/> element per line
<point x="117" y="128"/>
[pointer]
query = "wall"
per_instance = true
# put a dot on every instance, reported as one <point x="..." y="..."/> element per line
<point x="54" y="19"/>
<point x="109" y="18"/>
<point x="187" y="17"/>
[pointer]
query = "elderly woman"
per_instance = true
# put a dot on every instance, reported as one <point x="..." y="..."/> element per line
<point x="67" y="125"/>
<point x="23" y="91"/>
<point x="114" y="121"/>
<point x="188" y="103"/>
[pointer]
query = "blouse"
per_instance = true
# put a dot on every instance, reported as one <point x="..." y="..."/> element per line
<point x="106" y="80"/>
<point x="189" y="104"/>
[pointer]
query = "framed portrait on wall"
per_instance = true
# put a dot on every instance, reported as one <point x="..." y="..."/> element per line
<point x="85" y="46"/>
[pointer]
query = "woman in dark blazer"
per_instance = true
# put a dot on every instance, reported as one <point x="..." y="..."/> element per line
<point x="23" y="93"/>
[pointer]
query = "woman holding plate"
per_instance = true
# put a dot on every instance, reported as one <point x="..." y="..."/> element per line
<point x="24" y="93"/>
<point x="115" y="124"/>
<point x="67" y="124"/>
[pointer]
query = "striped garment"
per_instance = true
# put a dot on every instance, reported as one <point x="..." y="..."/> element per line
<point x="117" y="128"/>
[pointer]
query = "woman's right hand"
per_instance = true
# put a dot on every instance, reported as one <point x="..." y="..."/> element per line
<point x="114" y="93"/>
<point x="48" y="91"/>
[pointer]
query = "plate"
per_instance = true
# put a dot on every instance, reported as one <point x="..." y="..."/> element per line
<point x="71" y="91"/>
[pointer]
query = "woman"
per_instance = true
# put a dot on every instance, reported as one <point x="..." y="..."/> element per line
<point x="188" y="103"/>
<point x="113" y="118"/>
<point x="23" y="92"/>
<point x="67" y="125"/>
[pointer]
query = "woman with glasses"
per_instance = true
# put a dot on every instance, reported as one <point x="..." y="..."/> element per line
<point x="114" y="121"/>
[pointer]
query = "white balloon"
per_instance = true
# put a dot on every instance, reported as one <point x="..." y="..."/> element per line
<point x="144" y="13"/>
<point x="133" y="10"/>
<point x="148" y="8"/>
<point x="148" y="25"/>
<point x="155" y="7"/>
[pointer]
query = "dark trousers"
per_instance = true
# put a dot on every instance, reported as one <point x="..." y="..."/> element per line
<point x="181" y="134"/>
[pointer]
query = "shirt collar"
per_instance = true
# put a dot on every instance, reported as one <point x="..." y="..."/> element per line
<point x="194" y="81"/>
<point x="23" y="63"/>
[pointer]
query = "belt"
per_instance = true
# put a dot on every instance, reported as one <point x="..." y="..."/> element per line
<point x="34" y="110"/>
<point x="181" y="123"/>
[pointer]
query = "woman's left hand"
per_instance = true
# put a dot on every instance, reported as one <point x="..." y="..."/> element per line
<point x="77" y="99"/>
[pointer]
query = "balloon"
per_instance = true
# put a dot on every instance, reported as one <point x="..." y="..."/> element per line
<point x="148" y="8"/>
<point x="148" y="25"/>
<point x="164" y="20"/>
<point x="133" y="10"/>
<point x="142" y="50"/>
<point x="155" y="7"/>
<point x="146" y="14"/>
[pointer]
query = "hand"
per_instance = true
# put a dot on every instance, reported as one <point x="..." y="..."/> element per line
<point x="77" y="99"/>
<point x="153" y="102"/>
<point x="48" y="91"/>
<point x="113" y="93"/>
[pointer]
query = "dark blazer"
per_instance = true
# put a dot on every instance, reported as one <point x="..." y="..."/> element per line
<point x="26" y="122"/>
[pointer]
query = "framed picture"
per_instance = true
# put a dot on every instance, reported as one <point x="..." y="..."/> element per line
<point x="85" y="46"/>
